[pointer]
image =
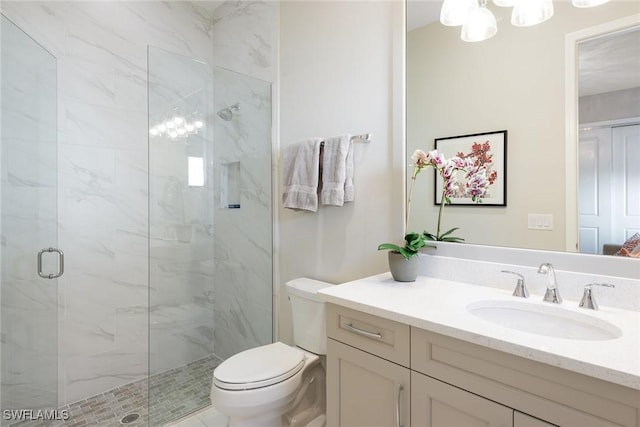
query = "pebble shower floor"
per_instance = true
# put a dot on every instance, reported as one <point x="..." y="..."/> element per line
<point x="174" y="394"/>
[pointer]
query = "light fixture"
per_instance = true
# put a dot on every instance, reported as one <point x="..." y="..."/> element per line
<point x="531" y="12"/>
<point x="480" y="25"/>
<point x="176" y="126"/>
<point x="456" y="12"/>
<point x="505" y="3"/>
<point x="588" y="3"/>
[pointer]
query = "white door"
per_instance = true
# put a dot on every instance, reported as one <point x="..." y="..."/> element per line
<point x="625" y="182"/>
<point x="594" y="184"/>
<point x="609" y="183"/>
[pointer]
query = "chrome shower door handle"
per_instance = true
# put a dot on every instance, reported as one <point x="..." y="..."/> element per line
<point x="399" y="389"/>
<point x="60" y="263"/>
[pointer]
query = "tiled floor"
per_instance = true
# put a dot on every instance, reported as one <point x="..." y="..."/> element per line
<point x="208" y="417"/>
<point x="173" y="394"/>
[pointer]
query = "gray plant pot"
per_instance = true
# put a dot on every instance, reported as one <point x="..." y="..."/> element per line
<point x="403" y="270"/>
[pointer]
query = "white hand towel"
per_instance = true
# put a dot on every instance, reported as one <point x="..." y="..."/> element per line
<point x="337" y="171"/>
<point x="349" y="189"/>
<point x="300" y="175"/>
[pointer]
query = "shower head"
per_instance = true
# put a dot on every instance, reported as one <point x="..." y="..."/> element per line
<point x="226" y="114"/>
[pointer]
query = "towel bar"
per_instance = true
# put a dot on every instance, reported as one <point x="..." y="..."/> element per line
<point x="365" y="137"/>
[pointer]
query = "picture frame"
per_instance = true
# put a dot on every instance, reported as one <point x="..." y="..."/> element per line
<point x="495" y="151"/>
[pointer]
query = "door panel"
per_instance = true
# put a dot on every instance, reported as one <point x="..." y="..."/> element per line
<point x="594" y="203"/>
<point x="437" y="404"/>
<point x="365" y="390"/>
<point x="625" y="182"/>
<point x="28" y="190"/>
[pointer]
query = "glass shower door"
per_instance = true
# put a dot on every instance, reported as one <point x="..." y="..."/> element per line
<point x="181" y="241"/>
<point x="28" y="228"/>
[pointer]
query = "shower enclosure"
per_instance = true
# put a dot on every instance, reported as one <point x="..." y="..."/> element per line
<point x="164" y="208"/>
<point x="210" y="251"/>
<point x="28" y="190"/>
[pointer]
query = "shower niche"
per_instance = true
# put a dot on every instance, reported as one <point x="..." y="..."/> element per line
<point x="230" y="185"/>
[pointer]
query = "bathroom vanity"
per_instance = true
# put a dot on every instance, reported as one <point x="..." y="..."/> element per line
<point x="444" y="353"/>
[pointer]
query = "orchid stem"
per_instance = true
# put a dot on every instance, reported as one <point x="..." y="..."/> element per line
<point x="442" y="203"/>
<point x="408" y="213"/>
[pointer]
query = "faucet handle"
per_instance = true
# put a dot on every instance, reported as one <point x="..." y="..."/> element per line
<point x="587" y="300"/>
<point x="520" y="290"/>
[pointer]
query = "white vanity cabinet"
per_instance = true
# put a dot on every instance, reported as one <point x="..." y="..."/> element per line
<point x="377" y="369"/>
<point x="368" y="376"/>
<point x="437" y="404"/>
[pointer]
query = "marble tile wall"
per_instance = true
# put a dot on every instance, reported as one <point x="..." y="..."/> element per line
<point x="245" y="49"/>
<point x="243" y="236"/>
<point x="101" y="49"/>
<point x="245" y="38"/>
<point x="181" y="285"/>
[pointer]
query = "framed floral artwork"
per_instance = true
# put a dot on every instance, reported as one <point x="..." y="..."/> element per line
<point x="488" y="149"/>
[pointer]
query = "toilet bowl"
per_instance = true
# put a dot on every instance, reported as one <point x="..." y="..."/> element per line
<point x="277" y="385"/>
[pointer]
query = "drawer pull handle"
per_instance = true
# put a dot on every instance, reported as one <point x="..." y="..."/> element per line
<point x="376" y="335"/>
<point x="399" y="389"/>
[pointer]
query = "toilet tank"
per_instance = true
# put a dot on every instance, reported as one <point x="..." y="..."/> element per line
<point x="308" y="311"/>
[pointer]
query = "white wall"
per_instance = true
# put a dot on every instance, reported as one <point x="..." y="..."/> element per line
<point x="338" y="74"/>
<point x="513" y="81"/>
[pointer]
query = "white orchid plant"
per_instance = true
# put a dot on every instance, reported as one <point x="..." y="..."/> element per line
<point x="475" y="184"/>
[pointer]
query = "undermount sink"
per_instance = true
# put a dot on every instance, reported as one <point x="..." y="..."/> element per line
<point x="544" y="319"/>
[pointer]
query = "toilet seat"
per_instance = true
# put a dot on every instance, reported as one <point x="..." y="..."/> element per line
<point x="259" y="367"/>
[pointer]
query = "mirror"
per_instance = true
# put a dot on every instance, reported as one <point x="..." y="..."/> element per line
<point x="513" y="81"/>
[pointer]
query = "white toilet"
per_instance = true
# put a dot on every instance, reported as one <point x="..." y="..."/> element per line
<point x="277" y="385"/>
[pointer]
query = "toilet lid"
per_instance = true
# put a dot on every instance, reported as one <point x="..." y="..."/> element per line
<point x="259" y="367"/>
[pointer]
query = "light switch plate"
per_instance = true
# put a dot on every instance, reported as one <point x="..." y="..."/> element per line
<point x="540" y="222"/>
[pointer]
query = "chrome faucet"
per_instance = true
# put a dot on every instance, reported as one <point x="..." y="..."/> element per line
<point x="587" y="300"/>
<point x="552" y="294"/>
<point x="520" y="290"/>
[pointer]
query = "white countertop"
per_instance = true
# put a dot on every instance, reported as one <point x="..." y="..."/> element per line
<point x="439" y="306"/>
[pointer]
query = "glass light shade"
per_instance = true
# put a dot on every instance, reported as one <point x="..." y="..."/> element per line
<point x="480" y="26"/>
<point x="505" y="3"/>
<point x="588" y="3"/>
<point x="456" y="12"/>
<point x="531" y="12"/>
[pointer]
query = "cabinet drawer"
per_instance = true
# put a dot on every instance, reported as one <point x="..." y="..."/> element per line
<point x="559" y="396"/>
<point x="373" y="334"/>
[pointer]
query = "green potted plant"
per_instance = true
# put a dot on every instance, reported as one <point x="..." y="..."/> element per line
<point x="403" y="262"/>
